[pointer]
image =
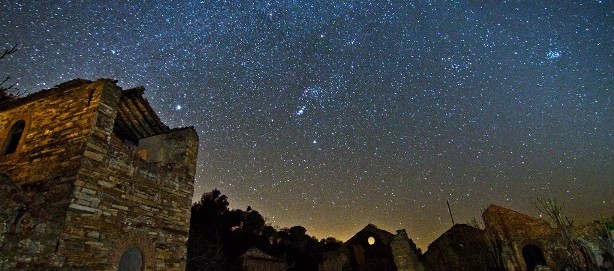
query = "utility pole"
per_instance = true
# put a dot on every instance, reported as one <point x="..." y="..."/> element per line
<point x="450" y="210"/>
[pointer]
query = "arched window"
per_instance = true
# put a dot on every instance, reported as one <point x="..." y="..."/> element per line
<point x="12" y="139"/>
<point x="132" y="260"/>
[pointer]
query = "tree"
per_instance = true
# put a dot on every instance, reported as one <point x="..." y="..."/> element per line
<point x="208" y="229"/>
<point x="329" y="244"/>
<point x="554" y="211"/>
<point x="8" y="91"/>
<point x="219" y="236"/>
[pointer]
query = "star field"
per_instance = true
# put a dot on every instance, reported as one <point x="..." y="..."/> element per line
<point x="336" y="115"/>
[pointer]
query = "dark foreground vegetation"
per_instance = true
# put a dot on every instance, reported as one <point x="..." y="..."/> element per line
<point x="219" y="236"/>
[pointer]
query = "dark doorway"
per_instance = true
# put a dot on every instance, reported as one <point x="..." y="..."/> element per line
<point x="132" y="260"/>
<point x="533" y="256"/>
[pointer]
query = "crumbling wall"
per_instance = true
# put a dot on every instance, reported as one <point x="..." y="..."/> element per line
<point x="118" y="194"/>
<point x="40" y="173"/>
<point x="405" y="253"/>
<point x="516" y="231"/>
<point x="460" y="248"/>
<point x="369" y="257"/>
<point x="595" y="245"/>
<point x="374" y="249"/>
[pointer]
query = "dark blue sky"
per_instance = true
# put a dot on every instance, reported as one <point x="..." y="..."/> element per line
<point x="335" y="115"/>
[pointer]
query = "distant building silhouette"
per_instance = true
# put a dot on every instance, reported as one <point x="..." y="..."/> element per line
<point x="373" y="249"/>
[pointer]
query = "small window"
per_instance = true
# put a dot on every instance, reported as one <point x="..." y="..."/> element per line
<point x="13" y="137"/>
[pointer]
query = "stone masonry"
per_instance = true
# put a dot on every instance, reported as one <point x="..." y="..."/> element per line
<point x="514" y="241"/>
<point x="525" y="242"/>
<point x="91" y="179"/>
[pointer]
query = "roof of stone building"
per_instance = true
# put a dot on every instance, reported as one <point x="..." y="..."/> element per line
<point x="511" y="217"/>
<point x="47" y="92"/>
<point x="384" y="236"/>
<point x="456" y="234"/>
<point x="496" y="209"/>
<point x="135" y="117"/>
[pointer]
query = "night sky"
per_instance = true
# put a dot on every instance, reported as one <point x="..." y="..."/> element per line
<point x="336" y="115"/>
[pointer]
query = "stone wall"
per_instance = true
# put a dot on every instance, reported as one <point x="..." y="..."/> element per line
<point x="42" y="171"/>
<point x="58" y="123"/>
<point x="404" y="253"/>
<point x="122" y="195"/>
<point x="462" y="247"/>
<point x="514" y="241"/>
<point x="517" y="231"/>
<point x="596" y="244"/>
<point x="90" y="195"/>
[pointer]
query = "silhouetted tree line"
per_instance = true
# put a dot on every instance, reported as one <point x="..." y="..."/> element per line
<point x="219" y="236"/>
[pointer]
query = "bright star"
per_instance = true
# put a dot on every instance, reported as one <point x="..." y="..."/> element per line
<point x="301" y="111"/>
<point x="553" y="54"/>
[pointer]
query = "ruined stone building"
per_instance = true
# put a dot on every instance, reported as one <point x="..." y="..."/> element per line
<point x="373" y="249"/>
<point x="509" y="241"/>
<point x="525" y="242"/>
<point x="461" y="248"/>
<point x="517" y="242"/>
<point x="255" y="259"/>
<point x="91" y="179"/>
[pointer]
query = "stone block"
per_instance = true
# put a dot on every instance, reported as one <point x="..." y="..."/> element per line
<point x="82" y="208"/>
<point x="95" y="156"/>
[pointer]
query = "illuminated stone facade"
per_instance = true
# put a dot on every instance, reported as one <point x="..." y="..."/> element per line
<point x="93" y="180"/>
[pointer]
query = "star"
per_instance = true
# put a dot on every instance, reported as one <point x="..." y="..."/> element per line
<point x="384" y="108"/>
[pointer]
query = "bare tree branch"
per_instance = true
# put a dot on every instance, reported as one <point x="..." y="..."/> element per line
<point x="554" y="211"/>
<point x="9" y="51"/>
<point x="9" y="91"/>
<point x="12" y="86"/>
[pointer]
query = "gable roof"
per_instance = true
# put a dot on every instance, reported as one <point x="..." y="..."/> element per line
<point x="497" y="214"/>
<point x="496" y="209"/>
<point x="372" y="230"/>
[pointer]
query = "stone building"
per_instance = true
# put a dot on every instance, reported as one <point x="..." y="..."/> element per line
<point x="513" y="241"/>
<point x="255" y="259"/>
<point x="462" y="247"/>
<point x="91" y="179"/>
<point x="525" y="242"/>
<point x="373" y="249"/>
